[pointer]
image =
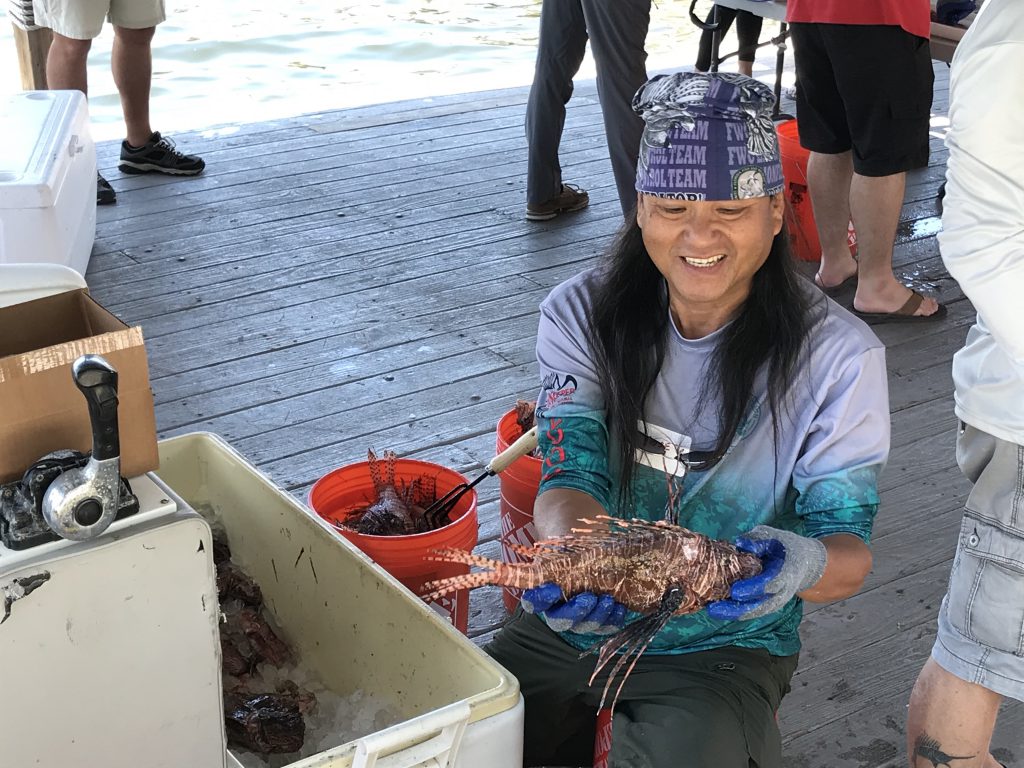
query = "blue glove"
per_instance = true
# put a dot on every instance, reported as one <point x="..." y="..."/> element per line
<point x="585" y="613"/>
<point x="791" y="563"/>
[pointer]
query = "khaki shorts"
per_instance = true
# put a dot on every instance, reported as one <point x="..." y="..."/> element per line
<point x="83" y="19"/>
<point x="981" y="621"/>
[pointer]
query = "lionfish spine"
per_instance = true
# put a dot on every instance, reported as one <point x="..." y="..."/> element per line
<point x="517" y="575"/>
<point x="375" y="475"/>
<point x="521" y="549"/>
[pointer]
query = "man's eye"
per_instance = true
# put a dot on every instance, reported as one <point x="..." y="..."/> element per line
<point x="730" y="211"/>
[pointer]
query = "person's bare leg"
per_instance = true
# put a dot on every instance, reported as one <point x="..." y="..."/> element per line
<point x="828" y="179"/>
<point x="66" y="68"/>
<point x="875" y="205"/>
<point x="950" y="716"/>
<point x="745" y="68"/>
<point x="132" y="64"/>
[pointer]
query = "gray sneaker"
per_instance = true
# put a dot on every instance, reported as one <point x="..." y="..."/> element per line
<point x="571" y="198"/>
<point x="160" y="155"/>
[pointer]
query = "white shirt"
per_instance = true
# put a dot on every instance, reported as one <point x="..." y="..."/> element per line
<point x="982" y="241"/>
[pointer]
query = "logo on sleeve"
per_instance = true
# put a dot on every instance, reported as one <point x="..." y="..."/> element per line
<point x="557" y="390"/>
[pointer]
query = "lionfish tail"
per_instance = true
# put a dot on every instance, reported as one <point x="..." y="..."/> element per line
<point x="432" y="590"/>
<point x="633" y="640"/>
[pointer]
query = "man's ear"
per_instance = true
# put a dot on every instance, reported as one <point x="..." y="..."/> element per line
<point x="778" y="203"/>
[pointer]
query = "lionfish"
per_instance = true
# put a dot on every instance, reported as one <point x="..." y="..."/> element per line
<point x="525" y="415"/>
<point x="526" y="420"/>
<point x="657" y="569"/>
<point x="395" y="512"/>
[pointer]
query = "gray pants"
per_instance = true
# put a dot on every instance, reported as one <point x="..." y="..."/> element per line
<point x="617" y="30"/>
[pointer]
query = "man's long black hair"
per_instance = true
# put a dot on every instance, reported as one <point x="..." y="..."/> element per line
<point x="629" y="317"/>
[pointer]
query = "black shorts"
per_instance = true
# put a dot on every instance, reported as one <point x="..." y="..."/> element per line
<point x="710" y="709"/>
<point x="865" y="88"/>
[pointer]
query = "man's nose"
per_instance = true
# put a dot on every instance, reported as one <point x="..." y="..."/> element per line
<point x="700" y="229"/>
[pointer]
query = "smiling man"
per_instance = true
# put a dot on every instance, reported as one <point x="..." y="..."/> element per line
<point x="713" y="388"/>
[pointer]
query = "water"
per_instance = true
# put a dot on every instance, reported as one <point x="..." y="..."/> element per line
<point x="224" y="63"/>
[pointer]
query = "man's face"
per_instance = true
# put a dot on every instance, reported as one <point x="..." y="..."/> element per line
<point x="708" y="251"/>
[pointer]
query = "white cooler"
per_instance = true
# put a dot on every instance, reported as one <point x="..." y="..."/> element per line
<point x="47" y="179"/>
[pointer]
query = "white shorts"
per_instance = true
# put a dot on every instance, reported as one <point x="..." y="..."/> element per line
<point x="83" y="19"/>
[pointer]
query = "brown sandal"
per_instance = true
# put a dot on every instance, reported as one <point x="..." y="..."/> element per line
<point x="904" y="314"/>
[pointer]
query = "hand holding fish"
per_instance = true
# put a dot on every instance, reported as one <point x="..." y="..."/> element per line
<point x="584" y="613"/>
<point x="791" y="563"/>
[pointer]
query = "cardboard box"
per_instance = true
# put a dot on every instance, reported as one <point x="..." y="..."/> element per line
<point x="41" y="409"/>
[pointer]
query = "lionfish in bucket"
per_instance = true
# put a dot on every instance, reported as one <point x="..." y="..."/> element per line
<point x="657" y="569"/>
<point x="395" y="511"/>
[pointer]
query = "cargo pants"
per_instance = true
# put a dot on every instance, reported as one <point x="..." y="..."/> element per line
<point x="710" y="709"/>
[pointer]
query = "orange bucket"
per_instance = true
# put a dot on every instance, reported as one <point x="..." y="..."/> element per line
<point x="803" y="232"/>
<point x="603" y="738"/>
<point x="519" y="484"/>
<point x="339" y="494"/>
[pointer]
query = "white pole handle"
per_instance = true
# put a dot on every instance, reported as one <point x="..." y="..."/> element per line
<point x="517" y="450"/>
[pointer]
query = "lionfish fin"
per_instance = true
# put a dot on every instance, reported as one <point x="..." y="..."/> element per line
<point x="634" y="531"/>
<point x="633" y="640"/>
<point x="521" y="549"/>
<point x="390" y="457"/>
<point x="452" y="555"/>
<point x="374" y="462"/>
<point x="618" y="523"/>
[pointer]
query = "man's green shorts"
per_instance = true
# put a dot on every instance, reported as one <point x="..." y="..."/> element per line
<point x="710" y="709"/>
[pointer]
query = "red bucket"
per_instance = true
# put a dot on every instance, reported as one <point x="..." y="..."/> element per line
<point x="519" y="484"/>
<point x="803" y="232"/>
<point x="339" y="494"/>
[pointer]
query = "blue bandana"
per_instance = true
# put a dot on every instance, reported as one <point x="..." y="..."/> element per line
<point x="707" y="137"/>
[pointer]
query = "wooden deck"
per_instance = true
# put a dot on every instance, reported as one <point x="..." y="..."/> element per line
<point x="365" y="278"/>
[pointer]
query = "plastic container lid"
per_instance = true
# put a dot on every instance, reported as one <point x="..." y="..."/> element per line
<point x="34" y="145"/>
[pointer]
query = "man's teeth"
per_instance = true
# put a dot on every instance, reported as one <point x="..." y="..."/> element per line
<point x="704" y="262"/>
